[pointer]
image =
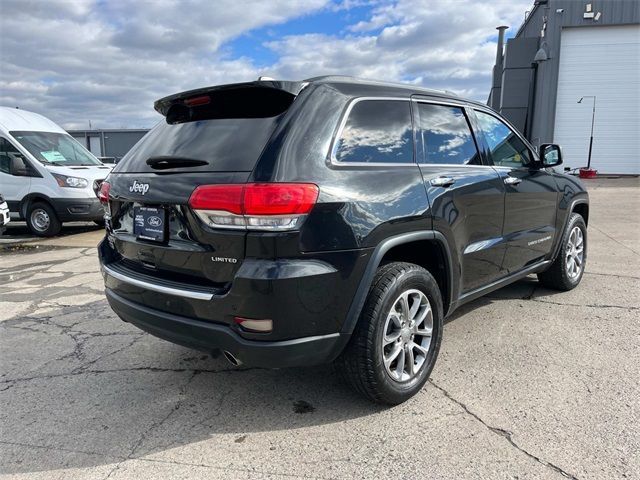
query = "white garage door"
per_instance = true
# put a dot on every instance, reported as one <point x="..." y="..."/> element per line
<point x="605" y="62"/>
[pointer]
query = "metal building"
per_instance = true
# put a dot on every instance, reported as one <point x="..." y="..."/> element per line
<point x="108" y="145"/>
<point x="565" y="51"/>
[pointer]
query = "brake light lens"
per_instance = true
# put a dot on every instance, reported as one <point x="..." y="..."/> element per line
<point x="103" y="193"/>
<point x="254" y="206"/>
<point x="195" y="101"/>
<point x="279" y="198"/>
<point x="227" y="198"/>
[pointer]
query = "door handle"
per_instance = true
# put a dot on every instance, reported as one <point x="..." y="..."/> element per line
<point x="442" y="182"/>
<point x="512" y="180"/>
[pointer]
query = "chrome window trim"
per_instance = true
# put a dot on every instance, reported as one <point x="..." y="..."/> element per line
<point x="458" y="165"/>
<point x="333" y="161"/>
<point x="446" y="103"/>
<point x="157" y="288"/>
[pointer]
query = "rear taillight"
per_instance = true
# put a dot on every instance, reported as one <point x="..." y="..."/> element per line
<point x="103" y="193"/>
<point x="254" y="206"/>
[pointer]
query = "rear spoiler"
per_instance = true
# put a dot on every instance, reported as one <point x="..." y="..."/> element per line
<point x="189" y="97"/>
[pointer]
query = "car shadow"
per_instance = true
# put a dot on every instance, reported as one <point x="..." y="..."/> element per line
<point x="98" y="391"/>
<point x="526" y="289"/>
<point x="80" y="388"/>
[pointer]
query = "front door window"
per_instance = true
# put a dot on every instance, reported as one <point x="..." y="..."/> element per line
<point x="505" y="147"/>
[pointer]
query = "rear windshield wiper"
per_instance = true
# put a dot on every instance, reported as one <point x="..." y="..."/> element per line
<point x="165" y="162"/>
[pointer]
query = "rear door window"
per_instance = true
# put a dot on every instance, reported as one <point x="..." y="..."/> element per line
<point x="444" y="136"/>
<point x="376" y="131"/>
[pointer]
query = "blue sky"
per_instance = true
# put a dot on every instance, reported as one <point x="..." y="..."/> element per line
<point x="108" y="60"/>
<point x="252" y="43"/>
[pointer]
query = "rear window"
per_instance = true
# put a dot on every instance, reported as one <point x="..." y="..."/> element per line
<point x="377" y="131"/>
<point x="226" y="134"/>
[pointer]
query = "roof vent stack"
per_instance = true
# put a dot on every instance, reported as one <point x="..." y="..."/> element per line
<point x="500" y="49"/>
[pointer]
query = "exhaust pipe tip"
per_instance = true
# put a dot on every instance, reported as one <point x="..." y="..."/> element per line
<point x="231" y="359"/>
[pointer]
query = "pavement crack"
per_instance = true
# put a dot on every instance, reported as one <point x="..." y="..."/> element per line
<point x="85" y="366"/>
<point x="584" y="305"/>
<point x="612" y="275"/>
<point x="156" y="425"/>
<point x="124" y="370"/>
<point x="7" y="386"/>
<point x="505" y="434"/>
<point x="615" y="240"/>
<point x="60" y="449"/>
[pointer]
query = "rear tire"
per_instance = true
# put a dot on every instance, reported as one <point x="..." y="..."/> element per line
<point x="388" y="326"/>
<point x="567" y="269"/>
<point x="42" y="220"/>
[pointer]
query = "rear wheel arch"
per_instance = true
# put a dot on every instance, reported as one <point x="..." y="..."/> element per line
<point x="394" y="249"/>
<point x="430" y="254"/>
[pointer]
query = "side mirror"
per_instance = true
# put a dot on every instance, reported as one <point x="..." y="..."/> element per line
<point x="550" y="155"/>
<point x="18" y="166"/>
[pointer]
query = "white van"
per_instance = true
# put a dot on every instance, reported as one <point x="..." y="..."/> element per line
<point x="46" y="176"/>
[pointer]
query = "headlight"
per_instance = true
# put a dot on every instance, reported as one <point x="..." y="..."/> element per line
<point x="73" y="182"/>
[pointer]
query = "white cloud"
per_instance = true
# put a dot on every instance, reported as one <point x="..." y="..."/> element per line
<point x="75" y="60"/>
<point x="439" y="44"/>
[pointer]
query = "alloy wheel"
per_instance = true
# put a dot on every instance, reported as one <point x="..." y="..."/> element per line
<point x="575" y="253"/>
<point x="407" y="335"/>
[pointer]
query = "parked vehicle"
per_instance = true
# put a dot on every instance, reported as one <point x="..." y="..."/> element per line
<point x="335" y="219"/>
<point x="4" y="214"/>
<point x="46" y="176"/>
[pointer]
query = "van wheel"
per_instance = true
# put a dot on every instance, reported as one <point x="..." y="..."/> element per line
<point x="42" y="220"/>
<point x="567" y="269"/>
<point x="396" y="341"/>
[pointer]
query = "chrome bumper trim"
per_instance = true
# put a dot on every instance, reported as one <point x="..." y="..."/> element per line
<point x="179" y="292"/>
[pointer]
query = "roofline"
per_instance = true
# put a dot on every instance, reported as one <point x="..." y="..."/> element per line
<point x="536" y="4"/>
<point x="295" y="87"/>
<point x="384" y="83"/>
<point x="107" y="130"/>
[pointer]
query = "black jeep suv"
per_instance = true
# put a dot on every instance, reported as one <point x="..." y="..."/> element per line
<point x="333" y="219"/>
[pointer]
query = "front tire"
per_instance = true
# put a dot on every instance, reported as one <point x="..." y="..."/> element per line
<point x="567" y="269"/>
<point x="42" y="220"/>
<point x="395" y="344"/>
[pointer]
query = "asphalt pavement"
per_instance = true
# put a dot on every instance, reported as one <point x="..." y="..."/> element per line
<point x="530" y="383"/>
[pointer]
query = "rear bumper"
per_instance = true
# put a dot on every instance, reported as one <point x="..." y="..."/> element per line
<point x="207" y="336"/>
<point x="304" y="297"/>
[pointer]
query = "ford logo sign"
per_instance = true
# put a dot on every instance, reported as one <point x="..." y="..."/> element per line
<point x="154" y="221"/>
